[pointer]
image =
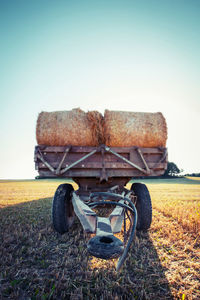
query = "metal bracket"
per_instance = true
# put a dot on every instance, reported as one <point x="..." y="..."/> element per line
<point x="127" y="161"/>
<point x="78" y="161"/>
<point x="39" y="155"/>
<point x="62" y="160"/>
<point x="144" y="161"/>
<point x="86" y="215"/>
<point x="104" y="175"/>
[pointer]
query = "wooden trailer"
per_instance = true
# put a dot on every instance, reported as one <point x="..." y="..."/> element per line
<point x="101" y="174"/>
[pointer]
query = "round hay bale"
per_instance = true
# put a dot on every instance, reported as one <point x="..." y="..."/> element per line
<point x="75" y="127"/>
<point x="125" y="129"/>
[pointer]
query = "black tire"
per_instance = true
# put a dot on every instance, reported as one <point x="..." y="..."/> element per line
<point x="143" y="206"/>
<point x="62" y="208"/>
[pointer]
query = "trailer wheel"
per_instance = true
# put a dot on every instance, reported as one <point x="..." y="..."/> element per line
<point x="62" y="208"/>
<point x="143" y="206"/>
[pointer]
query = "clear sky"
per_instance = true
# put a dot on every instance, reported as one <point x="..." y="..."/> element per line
<point x="137" y="55"/>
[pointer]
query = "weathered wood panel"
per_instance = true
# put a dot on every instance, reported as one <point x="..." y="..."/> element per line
<point x="146" y="161"/>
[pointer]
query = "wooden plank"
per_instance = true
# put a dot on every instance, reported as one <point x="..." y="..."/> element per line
<point x="72" y="157"/>
<point x="92" y="166"/>
<point x="98" y="165"/>
<point x="85" y="149"/>
<point x="96" y="173"/>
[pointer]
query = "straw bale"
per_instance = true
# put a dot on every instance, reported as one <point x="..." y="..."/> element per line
<point x="75" y="127"/>
<point x="125" y="129"/>
<point x="115" y="129"/>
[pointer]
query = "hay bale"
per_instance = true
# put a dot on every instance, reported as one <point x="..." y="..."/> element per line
<point x="115" y="129"/>
<point x="125" y="129"/>
<point x="75" y="127"/>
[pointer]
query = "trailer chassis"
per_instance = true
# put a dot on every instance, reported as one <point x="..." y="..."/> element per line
<point x="101" y="174"/>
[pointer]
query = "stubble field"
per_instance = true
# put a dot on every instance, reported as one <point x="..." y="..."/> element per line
<point x="38" y="263"/>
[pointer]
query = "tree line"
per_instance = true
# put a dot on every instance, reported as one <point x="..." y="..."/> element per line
<point x="172" y="171"/>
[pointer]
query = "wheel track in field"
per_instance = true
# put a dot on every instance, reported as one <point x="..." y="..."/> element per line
<point x="179" y="253"/>
<point x="193" y="230"/>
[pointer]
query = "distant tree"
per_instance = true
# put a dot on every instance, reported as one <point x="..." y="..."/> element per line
<point x="172" y="170"/>
<point x="193" y="174"/>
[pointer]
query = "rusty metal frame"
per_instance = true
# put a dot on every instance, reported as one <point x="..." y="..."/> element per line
<point x="106" y="227"/>
<point x="89" y="218"/>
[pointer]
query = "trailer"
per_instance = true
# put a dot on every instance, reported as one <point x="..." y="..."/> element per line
<point x="102" y="173"/>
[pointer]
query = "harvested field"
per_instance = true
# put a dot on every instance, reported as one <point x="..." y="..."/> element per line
<point x="37" y="263"/>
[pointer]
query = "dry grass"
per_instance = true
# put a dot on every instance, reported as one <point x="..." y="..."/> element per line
<point x="16" y="192"/>
<point x="96" y="122"/>
<point x="37" y="263"/>
<point x="193" y="178"/>
<point x="180" y="202"/>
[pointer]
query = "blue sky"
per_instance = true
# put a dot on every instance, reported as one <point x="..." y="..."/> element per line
<point x="124" y="55"/>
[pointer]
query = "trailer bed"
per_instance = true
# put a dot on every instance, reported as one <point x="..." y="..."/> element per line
<point x="102" y="163"/>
